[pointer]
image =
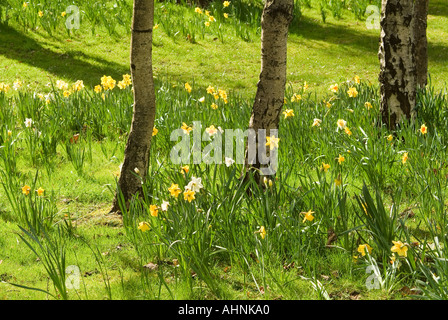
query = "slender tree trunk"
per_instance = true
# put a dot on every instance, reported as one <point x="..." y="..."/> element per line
<point x="269" y="98"/>
<point x="421" y="41"/>
<point x="138" y="145"/>
<point x="397" y="59"/>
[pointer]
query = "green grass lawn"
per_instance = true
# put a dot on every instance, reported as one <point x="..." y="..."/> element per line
<point x="212" y="248"/>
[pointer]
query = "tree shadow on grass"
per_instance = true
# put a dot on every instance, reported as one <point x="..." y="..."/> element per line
<point x="438" y="8"/>
<point x="71" y="64"/>
<point x="354" y="40"/>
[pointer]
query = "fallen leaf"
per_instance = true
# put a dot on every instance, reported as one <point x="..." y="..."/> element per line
<point x="151" y="266"/>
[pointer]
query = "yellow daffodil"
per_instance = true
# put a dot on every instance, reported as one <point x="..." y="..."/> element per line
<point x="207" y="23"/>
<point x="226" y="4"/>
<point x="108" y="82"/>
<point x="424" y="129"/>
<point x="143" y="226"/>
<point x="26" y="190"/>
<point x="357" y="79"/>
<point x="368" y="105"/>
<point x="341" y="159"/>
<point x="308" y="216"/>
<point x="404" y="158"/>
<point x="362" y="249"/>
<point x="98" y="89"/>
<point x="352" y="92"/>
<point x="296" y="98"/>
<point x="262" y="232"/>
<point x="198" y="10"/>
<point x="25" y="5"/>
<point x="154" y="210"/>
<point x="325" y="166"/>
<point x="389" y="137"/>
<point x="188" y="87"/>
<point x="400" y="248"/>
<point x="226" y="15"/>
<point x="154" y="131"/>
<point x="214" y="106"/>
<point x="186" y="128"/>
<point x="40" y="13"/>
<point x="288" y="113"/>
<point x="174" y="190"/>
<point x="347" y="131"/>
<point x="272" y="142"/>
<point x="40" y="191"/>
<point x="337" y="182"/>
<point x="334" y="87"/>
<point x="210" y="90"/>
<point x="63" y="14"/>
<point x="211" y="130"/>
<point x="184" y="169"/>
<point x="189" y="195"/>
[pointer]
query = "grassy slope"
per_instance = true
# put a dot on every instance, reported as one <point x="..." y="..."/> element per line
<point x="319" y="54"/>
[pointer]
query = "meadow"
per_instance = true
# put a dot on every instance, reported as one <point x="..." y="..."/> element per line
<point x="355" y="211"/>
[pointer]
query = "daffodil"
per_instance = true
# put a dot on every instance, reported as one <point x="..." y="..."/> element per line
<point x="272" y="142"/>
<point x="352" y="92"/>
<point x="184" y="169"/>
<point x="214" y="106"/>
<point x="195" y="184"/>
<point x="308" y="216"/>
<point x="334" y="87"/>
<point x="210" y="90"/>
<point x="17" y="84"/>
<point x="226" y="15"/>
<point x="368" y="105"/>
<point x="164" y="206"/>
<point x="188" y="87"/>
<point x="201" y="100"/>
<point x="63" y="14"/>
<point x="424" y="129"/>
<point x="341" y="123"/>
<point x="325" y="166"/>
<point x="26" y="190"/>
<point x="347" y="131"/>
<point x="40" y="13"/>
<point x="262" y="232"/>
<point x="207" y="23"/>
<point x="143" y="226"/>
<point x="28" y="122"/>
<point x="98" y="89"/>
<point x="404" y="158"/>
<point x="341" y="159"/>
<point x="174" y="190"/>
<point x="400" y="248"/>
<point x="78" y="85"/>
<point x="108" y="82"/>
<point x="189" y="195"/>
<point x="288" y="113"/>
<point x="154" y="131"/>
<point x="337" y="182"/>
<point x="198" y="10"/>
<point x="153" y="210"/>
<point x="226" y="4"/>
<point x="186" y="128"/>
<point x="362" y="249"/>
<point x="296" y="98"/>
<point x="316" y="122"/>
<point x="40" y="191"/>
<point x="211" y="130"/>
<point x="389" y="137"/>
<point x="357" y="79"/>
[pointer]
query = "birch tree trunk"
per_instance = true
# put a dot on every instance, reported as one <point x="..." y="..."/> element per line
<point x="397" y="59"/>
<point x="421" y="41"/>
<point x="269" y="98"/>
<point x="136" y="156"/>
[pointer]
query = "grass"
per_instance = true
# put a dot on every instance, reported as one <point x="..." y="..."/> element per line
<point x="212" y="247"/>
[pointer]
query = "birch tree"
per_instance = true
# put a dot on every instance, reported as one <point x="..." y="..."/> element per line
<point x="136" y="156"/>
<point x="269" y="98"/>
